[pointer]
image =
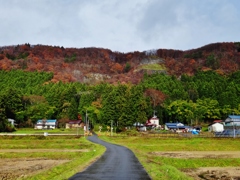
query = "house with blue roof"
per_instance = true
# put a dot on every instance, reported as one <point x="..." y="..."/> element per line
<point x="46" y="124"/>
<point x="174" y="126"/>
<point x="179" y="127"/>
<point x="232" y="120"/>
<point x="231" y="127"/>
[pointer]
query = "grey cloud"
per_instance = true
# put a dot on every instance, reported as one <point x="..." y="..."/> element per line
<point x="119" y="25"/>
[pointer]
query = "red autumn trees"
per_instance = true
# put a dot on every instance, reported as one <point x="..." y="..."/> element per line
<point x="62" y="61"/>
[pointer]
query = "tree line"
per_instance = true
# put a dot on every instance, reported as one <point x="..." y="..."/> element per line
<point x="30" y="96"/>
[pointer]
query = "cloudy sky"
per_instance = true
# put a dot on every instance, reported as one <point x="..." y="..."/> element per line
<point x="120" y="25"/>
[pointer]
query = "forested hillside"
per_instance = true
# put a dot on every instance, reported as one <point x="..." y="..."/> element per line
<point x="191" y="99"/>
<point x="94" y="65"/>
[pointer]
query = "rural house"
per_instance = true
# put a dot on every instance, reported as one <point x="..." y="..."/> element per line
<point x="232" y="126"/>
<point x="232" y="120"/>
<point x="46" y="124"/>
<point x="74" y="124"/>
<point x="154" y="121"/>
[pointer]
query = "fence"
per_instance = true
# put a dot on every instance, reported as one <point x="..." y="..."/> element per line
<point x="165" y="134"/>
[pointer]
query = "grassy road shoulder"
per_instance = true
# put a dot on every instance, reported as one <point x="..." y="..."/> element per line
<point x="150" y="152"/>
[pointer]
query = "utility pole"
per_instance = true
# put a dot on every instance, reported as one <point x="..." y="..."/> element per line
<point x="86" y="123"/>
<point x="233" y="127"/>
<point x="111" y="127"/>
<point x="154" y="111"/>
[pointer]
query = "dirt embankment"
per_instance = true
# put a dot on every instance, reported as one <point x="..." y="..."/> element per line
<point x="17" y="168"/>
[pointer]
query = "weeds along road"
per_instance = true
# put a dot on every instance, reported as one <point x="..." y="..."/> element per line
<point x="117" y="163"/>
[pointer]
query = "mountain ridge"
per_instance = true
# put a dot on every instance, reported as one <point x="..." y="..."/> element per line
<point x="94" y="65"/>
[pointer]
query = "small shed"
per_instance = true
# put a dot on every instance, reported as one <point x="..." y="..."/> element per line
<point x="216" y="127"/>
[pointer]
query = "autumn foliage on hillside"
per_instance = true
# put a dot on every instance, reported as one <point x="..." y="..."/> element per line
<point x="93" y="65"/>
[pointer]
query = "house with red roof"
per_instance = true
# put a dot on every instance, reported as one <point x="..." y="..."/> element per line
<point x="74" y="124"/>
<point x="153" y="122"/>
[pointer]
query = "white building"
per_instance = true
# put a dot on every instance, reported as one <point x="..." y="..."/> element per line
<point x="46" y="124"/>
<point x="153" y="122"/>
<point x="216" y="127"/>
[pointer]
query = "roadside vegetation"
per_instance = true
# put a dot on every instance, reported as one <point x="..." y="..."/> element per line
<point x="161" y="167"/>
<point x="32" y="131"/>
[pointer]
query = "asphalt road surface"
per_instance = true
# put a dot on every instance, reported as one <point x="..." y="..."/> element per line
<point x="117" y="163"/>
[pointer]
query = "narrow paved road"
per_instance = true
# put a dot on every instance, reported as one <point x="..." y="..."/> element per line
<point x="117" y="163"/>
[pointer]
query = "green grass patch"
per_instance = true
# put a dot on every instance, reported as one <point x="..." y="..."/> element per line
<point x="153" y="66"/>
<point x="156" y="67"/>
<point x="27" y="131"/>
<point x="169" y="168"/>
<point x="76" y="149"/>
<point x="43" y="142"/>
